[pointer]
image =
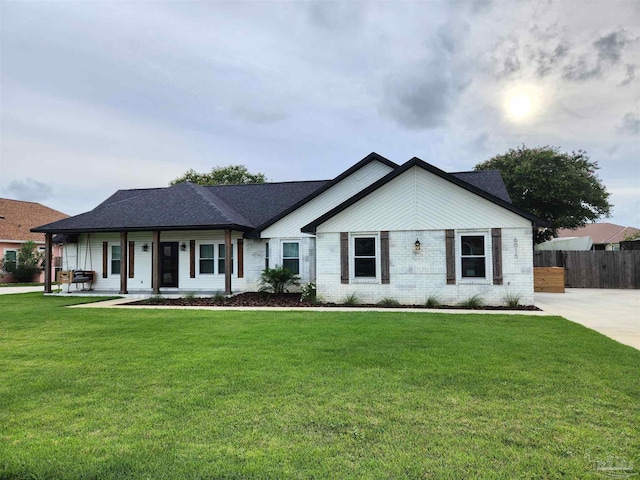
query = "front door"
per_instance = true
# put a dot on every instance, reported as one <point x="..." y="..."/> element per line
<point x="169" y="264"/>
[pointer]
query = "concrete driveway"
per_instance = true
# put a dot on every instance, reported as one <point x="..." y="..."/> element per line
<point x="614" y="313"/>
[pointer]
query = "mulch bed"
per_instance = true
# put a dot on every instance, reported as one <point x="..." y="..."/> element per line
<point x="290" y="300"/>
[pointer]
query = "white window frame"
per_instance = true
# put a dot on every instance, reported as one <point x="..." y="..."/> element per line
<point x="352" y="258"/>
<point x="299" y="257"/>
<point x="111" y="260"/>
<point x="213" y="259"/>
<point x="488" y="258"/>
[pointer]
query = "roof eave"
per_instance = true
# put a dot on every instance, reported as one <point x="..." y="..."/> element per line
<point x="150" y="228"/>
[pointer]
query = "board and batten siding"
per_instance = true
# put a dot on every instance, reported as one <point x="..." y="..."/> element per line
<point x="141" y="279"/>
<point x="290" y="225"/>
<point x="420" y="200"/>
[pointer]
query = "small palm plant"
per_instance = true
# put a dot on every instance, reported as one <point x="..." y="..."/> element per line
<point x="278" y="280"/>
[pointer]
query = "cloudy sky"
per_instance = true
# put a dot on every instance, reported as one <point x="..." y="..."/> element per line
<point x="104" y="95"/>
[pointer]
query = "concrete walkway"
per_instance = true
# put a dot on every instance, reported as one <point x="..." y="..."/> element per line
<point x="9" y="290"/>
<point x="614" y="313"/>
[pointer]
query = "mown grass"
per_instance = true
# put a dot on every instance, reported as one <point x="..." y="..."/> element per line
<point x="90" y="393"/>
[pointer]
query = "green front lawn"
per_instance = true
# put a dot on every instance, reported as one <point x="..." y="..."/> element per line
<point x="106" y="393"/>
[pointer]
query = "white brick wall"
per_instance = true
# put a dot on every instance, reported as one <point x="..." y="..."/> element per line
<point x="416" y="275"/>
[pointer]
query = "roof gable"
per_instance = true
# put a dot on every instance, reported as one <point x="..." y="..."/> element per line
<point x="416" y="162"/>
<point x="372" y="157"/>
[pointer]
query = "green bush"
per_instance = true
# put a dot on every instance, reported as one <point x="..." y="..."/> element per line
<point x="432" y="302"/>
<point x="389" y="302"/>
<point x="29" y="262"/>
<point x="309" y="292"/>
<point x="351" y="299"/>
<point x="512" y="300"/>
<point x="472" y="302"/>
<point x="278" y="280"/>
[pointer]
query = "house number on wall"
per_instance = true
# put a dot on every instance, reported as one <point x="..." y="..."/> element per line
<point x="515" y="248"/>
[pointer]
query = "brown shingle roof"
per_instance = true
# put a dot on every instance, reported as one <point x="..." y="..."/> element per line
<point x="17" y="218"/>
<point x="600" y="232"/>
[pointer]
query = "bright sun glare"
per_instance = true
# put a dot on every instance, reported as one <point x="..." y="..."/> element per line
<point x="522" y="103"/>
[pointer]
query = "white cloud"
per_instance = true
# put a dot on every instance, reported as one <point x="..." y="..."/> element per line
<point x="99" y="96"/>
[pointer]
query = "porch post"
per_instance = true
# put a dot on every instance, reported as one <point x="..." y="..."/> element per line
<point x="155" y="263"/>
<point x="47" y="262"/>
<point x="124" y="258"/>
<point x="227" y="262"/>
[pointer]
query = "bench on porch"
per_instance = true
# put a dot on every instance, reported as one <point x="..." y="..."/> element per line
<point x="77" y="277"/>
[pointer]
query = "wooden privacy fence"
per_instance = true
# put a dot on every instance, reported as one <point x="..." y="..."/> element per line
<point x="594" y="268"/>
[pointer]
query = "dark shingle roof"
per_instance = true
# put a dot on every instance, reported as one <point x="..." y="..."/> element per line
<point x="260" y="202"/>
<point x="186" y="206"/>
<point x="488" y="180"/>
<point x="247" y="208"/>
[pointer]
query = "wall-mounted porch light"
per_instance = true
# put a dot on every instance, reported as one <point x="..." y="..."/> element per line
<point x="416" y="245"/>
<point x="183" y="247"/>
<point x="145" y="247"/>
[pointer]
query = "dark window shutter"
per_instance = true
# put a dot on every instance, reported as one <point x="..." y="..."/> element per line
<point x="450" y="240"/>
<point x="384" y="257"/>
<point x="105" y="259"/>
<point x="344" y="257"/>
<point x="496" y="245"/>
<point x="240" y="258"/>
<point x="192" y="259"/>
<point x="132" y="259"/>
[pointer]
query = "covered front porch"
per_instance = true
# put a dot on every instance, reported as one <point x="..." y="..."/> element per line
<point x="156" y="262"/>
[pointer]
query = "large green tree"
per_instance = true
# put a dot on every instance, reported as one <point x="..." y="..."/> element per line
<point x="229" y="175"/>
<point x="562" y="188"/>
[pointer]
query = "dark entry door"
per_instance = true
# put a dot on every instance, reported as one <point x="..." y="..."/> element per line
<point x="169" y="264"/>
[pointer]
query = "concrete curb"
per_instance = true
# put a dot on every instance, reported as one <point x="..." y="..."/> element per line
<point x="122" y="303"/>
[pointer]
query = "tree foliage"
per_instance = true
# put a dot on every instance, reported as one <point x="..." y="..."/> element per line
<point x="229" y="175"/>
<point x="28" y="263"/>
<point x="562" y="188"/>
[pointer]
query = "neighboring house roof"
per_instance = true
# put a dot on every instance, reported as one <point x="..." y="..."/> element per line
<point x="17" y="218"/>
<point x="249" y="208"/>
<point x="600" y="233"/>
<point x="416" y="162"/>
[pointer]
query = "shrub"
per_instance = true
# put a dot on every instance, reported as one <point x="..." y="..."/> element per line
<point x="511" y="300"/>
<point x="189" y="296"/>
<point x="278" y="280"/>
<point x="28" y="263"/>
<point x="432" y="302"/>
<point x="219" y="297"/>
<point x="309" y="292"/>
<point x="155" y="299"/>
<point x="351" y="299"/>
<point x="472" y="302"/>
<point x="389" y="302"/>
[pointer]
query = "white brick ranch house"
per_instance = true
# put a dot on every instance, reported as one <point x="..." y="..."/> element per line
<point x="378" y="230"/>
